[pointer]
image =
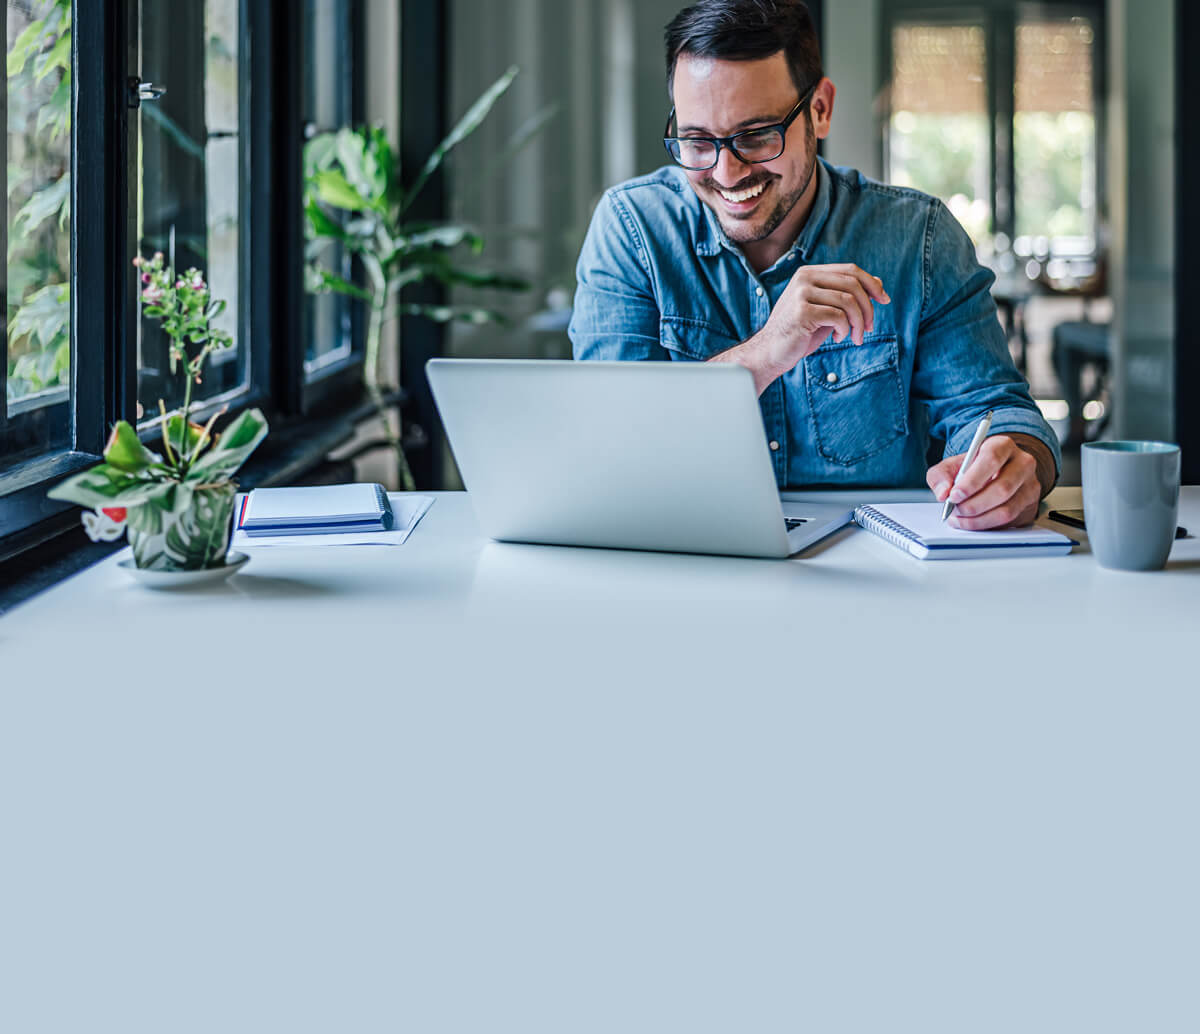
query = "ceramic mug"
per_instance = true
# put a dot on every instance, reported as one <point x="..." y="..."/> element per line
<point x="1130" y="502"/>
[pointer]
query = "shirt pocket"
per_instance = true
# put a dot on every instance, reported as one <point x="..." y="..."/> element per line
<point x="856" y="398"/>
<point x="686" y="338"/>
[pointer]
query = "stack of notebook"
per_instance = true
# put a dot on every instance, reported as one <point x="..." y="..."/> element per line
<point x="318" y="510"/>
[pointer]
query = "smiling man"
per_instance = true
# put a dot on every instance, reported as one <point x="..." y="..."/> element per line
<point x="859" y="308"/>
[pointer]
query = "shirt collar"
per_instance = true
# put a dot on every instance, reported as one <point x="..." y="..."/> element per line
<point x="710" y="238"/>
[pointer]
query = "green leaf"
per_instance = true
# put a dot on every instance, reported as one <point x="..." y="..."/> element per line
<point x="231" y="449"/>
<point x="125" y="451"/>
<point x="58" y="56"/>
<point x="175" y="433"/>
<point x="41" y="206"/>
<point x="465" y="127"/>
<point x="103" y="485"/>
<point x="357" y="154"/>
<point x="517" y="143"/>
<point x="443" y="237"/>
<point x="333" y="188"/>
<point x="321" y="223"/>
<point x="43" y="316"/>
<point x="448" y="274"/>
<point x="321" y="281"/>
<point x="28" y="43"/>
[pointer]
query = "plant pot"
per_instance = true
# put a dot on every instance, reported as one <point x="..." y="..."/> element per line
<point x="187" y="531"/>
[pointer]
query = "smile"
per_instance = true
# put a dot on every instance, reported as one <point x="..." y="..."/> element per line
<point x="740" y="196"/>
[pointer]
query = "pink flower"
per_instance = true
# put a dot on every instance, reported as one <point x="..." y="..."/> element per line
<point x="178" y="284"/>
<point x="198" y="283"/>
<point x="152" y="294"/>
<point x="146" y="278"/>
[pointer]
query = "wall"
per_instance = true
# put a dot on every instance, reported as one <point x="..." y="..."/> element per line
<point x="1142" y="195"/>
<point x="851" y="61"/>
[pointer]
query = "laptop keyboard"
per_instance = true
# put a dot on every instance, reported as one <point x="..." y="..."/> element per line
<point x="795" y="522"/>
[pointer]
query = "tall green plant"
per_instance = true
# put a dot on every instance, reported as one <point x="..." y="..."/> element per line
<point x="354" y="197"/>
<point x="39" y="125"/>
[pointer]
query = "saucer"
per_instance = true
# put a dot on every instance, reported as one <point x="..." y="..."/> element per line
<point x="182" y="579"/>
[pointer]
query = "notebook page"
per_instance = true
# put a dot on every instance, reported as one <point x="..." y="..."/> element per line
<point x="924" y="520"/>
<point x="312" y="503"/>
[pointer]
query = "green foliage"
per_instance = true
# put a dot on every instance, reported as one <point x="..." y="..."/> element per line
<point x="39" y="125"/>
<point x="1053" y="151"/>
<point x="177" y="507"/>
<point x="354" y="198"/>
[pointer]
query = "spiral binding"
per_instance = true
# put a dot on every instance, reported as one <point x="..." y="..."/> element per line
<point x="871" y="519"/>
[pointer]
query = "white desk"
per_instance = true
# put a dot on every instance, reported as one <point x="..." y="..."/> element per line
<point x="465" y="786"/>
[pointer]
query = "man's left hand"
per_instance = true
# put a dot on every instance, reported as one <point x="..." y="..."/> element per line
<point x="1003" y="485"/>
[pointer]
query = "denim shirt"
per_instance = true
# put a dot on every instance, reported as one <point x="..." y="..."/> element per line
<point x="658" y="279"/>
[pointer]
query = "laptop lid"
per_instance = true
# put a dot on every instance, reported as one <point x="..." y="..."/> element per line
<point x="646" y="455"/>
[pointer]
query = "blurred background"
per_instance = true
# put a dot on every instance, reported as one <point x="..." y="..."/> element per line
<point x="1049" y="129"/>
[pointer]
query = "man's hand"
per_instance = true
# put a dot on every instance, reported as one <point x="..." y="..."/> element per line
<point x="817" y="300"/>
<point x="1001" y="488"/>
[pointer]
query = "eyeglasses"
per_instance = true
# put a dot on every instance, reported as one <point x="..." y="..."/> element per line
<point x="760" y="144"/>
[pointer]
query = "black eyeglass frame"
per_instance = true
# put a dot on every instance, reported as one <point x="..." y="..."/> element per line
<point x="731" y="141"/>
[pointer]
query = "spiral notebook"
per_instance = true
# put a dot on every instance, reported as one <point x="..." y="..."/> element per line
<point x="917" y="528"/>
<point x="315" y="510"/>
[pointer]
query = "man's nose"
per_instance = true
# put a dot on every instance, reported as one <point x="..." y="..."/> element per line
<point x="730" y="169"/>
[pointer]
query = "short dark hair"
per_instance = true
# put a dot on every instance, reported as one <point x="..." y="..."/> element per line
<point x="744" y="30"/>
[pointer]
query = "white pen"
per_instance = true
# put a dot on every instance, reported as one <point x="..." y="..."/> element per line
<point x="980" y="435"/>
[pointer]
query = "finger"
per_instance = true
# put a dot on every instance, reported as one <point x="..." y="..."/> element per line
<point x="825" y="317"/>
<point x="1010" y="498"/>
<point x="871" y="284"/>
<point x="853" y="287"/>
<point x="986" y="465"/>
<point x="1017" y="511"/>
<point x="940" y="477"/>
<point x="846" y="302"/>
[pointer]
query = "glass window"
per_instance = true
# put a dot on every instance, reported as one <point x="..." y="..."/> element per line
<point x="328" y="105"/>
<point x="35" y="414"/>
<point x="1054" y="136"/>
<point x="939" y="127"/>
<point x="190" y="176"/>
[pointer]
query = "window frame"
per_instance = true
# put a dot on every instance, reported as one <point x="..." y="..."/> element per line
<point x="103" y="241"/>
<point x="101" y="373"/>
<point x="999" y="19"/>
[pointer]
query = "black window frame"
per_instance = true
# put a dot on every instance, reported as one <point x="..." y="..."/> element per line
<point x="103" y="242"/>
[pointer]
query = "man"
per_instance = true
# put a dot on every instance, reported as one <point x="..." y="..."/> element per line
<point x="859" y="308"/>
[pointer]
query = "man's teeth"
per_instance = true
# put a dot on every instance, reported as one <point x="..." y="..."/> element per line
<point x="742" y="195"/>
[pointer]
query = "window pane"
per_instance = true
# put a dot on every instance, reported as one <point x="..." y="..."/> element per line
<point x="938" y="134"/>
<point x="329" y="60"/>
<point x="190" y="196"/>
<point x="36" y="414"/>
<point x="1054" y="136"/>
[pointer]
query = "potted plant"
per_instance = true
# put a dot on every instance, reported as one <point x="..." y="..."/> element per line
<point x="354" y="197"/>
<point x="177" y="510"/>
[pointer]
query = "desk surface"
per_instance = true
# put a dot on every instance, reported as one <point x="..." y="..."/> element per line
<point x="465" y="786"/>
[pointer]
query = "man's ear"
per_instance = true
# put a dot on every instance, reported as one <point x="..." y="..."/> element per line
<point x="821" y="107"/>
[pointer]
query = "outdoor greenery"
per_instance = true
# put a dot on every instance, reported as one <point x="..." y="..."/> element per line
<point x="1055" y="151"/>
<point x="947" y="156"/>
<point x="354" y="197"/>
<point x="39" y="193"/>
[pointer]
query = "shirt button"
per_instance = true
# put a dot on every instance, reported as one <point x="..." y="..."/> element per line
<point x="758" y="291"/>
<point x="774" y="446"/>
<point x="831" y="377"/>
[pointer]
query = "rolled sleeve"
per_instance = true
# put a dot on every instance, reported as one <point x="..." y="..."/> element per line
<point x="616" y="314"/>
<point x="963" y="367"/>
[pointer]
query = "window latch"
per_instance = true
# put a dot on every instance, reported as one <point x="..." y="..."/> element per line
<point x="142" y="91"/>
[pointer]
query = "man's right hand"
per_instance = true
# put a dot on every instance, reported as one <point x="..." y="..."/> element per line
<point x="818" y="301"/>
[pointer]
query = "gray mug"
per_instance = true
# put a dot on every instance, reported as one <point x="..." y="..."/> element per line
<point x="1130" y="502"/>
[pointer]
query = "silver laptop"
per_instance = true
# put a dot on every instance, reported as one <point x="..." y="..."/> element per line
<point x="633" y="455"/>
